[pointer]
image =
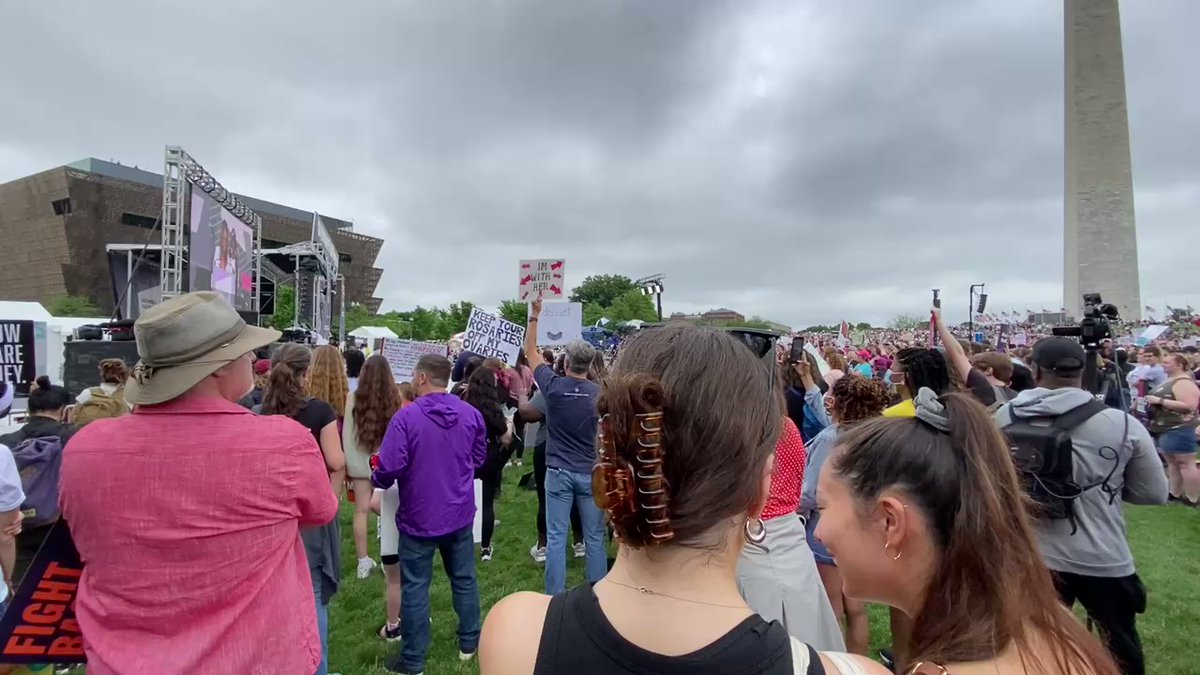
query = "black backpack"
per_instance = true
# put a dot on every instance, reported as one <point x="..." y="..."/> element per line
<point x="1042" y="455"/>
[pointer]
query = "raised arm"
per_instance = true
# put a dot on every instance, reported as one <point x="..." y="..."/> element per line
<point x="532" y="355"/>
<point x="955" y="355"/>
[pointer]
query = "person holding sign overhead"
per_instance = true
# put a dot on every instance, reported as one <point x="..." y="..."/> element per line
<point x="570" y="453"/>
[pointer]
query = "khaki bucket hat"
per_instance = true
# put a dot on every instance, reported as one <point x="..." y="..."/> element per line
<point x="184" y="340"/>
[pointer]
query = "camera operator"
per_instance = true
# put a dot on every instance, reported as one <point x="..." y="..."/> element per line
<point x="1113" y="459"/>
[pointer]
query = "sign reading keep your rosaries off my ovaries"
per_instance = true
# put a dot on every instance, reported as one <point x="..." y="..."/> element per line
<point x="492" y="337"/>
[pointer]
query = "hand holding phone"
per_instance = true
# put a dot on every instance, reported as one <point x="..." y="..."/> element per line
<point x="797" y="353"/>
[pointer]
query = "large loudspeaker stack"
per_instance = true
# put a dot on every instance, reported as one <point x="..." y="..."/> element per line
<point x="92" y="344"/>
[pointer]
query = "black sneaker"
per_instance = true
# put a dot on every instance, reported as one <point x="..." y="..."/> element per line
<point x="888" y="658"/>
<point x="389" y="634"/>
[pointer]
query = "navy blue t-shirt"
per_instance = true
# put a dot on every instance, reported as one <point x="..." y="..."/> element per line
<point x="571" y="420"/>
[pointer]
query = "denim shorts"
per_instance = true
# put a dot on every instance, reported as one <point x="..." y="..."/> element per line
<point x="820" y="553"/>
<point x="1178" y="441"/>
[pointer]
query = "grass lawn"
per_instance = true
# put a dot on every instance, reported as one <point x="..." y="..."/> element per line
<point x="1166" y="543"/>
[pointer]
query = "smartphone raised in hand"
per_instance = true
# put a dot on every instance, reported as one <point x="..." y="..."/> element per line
<point x="797" y="353"/>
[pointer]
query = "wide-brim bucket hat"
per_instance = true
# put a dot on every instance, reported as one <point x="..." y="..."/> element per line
<point x="184" y="340"/>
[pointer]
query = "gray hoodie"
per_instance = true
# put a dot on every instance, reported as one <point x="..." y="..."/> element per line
<point x="1099" y="548"/>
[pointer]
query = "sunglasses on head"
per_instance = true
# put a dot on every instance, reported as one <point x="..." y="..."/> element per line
<point x="760" y="343"/>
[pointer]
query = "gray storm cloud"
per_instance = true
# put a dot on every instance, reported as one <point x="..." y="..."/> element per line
<point x="802" y="161"/>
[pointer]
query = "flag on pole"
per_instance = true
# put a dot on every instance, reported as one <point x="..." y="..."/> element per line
<point x="1150" y="310"/>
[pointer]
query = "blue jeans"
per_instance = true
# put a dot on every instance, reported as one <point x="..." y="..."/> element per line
<point x="322" y="621"/>
<point x="562" y="489"/>
<point x="1178" y="441"/>
<point x="416" y="574"/>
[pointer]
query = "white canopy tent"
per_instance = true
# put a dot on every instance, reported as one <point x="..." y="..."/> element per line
<point x="373" y="333"/>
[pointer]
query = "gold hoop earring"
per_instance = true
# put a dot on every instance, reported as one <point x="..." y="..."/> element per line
<point x="751" y="535"/>
<point x="893" y="557"/>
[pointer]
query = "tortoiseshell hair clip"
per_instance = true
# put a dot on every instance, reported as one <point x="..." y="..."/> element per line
<point x="635" y="498"/>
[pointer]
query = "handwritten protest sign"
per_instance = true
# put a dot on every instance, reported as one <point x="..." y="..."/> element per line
<point x="490" y="336"/>
<point x="1020" y="339"/>
<point x="40" y="626"/>
<point x="402" y="355"/>
<point x="560" y="323"/>
<point x="541" y="279"/>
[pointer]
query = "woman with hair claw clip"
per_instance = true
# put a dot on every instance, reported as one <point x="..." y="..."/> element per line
<point x="689" y="422"/>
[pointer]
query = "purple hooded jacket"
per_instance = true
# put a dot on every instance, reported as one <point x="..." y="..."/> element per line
<point x="431" y="450"/>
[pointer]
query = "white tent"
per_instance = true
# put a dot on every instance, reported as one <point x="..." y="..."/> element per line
<point x="373" y="333"/>
<point x="23" y="311"/>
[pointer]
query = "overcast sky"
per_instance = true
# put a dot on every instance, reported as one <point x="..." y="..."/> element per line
<point x="801" y="160"/>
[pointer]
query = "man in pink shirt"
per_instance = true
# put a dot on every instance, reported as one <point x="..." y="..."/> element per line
<point x="187" y="512"/>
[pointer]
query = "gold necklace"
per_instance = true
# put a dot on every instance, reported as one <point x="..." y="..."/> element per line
<point x="646" y="591"/>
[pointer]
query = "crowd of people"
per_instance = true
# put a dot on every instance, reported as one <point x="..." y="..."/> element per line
<point x="758" y="496"/>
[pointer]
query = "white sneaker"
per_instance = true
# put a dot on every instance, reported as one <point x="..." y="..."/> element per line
<point x="365" y="565"/>
<point x="580" y="550"/>
<point x="464" y="656"/>
<point x="486" y="553"/>
<point x="538" y="553"/>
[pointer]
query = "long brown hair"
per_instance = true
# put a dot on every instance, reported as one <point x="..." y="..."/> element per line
<point x="327" y="381"/>
<point x="285" y="393"/>
<point x="375" y="402"/>
<point x="989" y="588"/>
<point x="721" y="418"/>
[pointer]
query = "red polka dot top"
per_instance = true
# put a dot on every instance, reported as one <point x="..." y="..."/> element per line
<point x="790" y="458"/>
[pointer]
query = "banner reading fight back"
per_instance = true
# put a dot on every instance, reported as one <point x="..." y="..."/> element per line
<point x="39" y="626"/>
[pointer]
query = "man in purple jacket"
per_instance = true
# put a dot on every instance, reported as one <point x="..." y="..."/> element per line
<point x="431" y="450"/>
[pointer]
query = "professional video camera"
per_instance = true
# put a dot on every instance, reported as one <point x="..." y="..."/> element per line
<point x="1094" y="326"/>
<point x="1092" y="329"/>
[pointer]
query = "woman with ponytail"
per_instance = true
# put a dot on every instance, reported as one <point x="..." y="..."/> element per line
<point x="286" y="394"/>
<point x="698" y="414"/>
<point x="926" y="514"/>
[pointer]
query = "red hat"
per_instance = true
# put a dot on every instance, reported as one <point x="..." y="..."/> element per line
<point x="262" y="366"/>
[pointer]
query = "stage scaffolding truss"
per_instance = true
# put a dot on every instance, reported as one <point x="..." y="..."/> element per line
<point x="180" y="173"/>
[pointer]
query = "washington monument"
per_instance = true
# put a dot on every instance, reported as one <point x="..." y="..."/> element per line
<point x="1100" y="236"/>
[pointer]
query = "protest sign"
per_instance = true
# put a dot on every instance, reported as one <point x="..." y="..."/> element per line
<point x="541" y="279"/>
<point x="22" y="353"/>
<point x="490" y="336"/>
<point x="40" y="626"/>
<point x="560" y="323"/>
<point x="822" y="364"/>
<point x="402" y="355"/>
<point x="1020" y="339"/>
<point x="1150" y="335"/>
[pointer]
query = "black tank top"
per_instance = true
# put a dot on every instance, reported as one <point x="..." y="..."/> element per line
<point x="577" y="639"/>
